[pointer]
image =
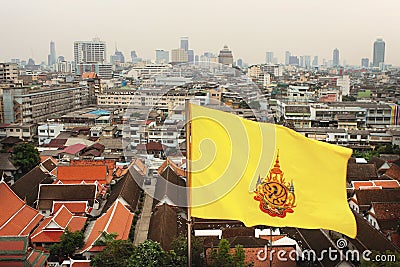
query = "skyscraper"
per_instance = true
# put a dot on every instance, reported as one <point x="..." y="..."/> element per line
<point x="315" y="61"/>
<point x="51" y="59"/>
<point x="184" y="43"/>
<point x="90" y="51"/>
<point x="225" y="56"/>
<point x="269" y="57"/>
<point x="287" y="57"/>
<point x="162" y="56"/>
<point x="118" y="57"/>
<point x="179" y="55"/>
<point x="379" y="52"/>
<point x="335" y="58"/>
<point x="307" y="62"/>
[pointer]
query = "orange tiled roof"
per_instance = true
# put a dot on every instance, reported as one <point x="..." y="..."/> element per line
<point x="16" y="217"/>
<point x="387" y="183"/>
<point x="89" y="75"/>
<point x="73" y="206"/>
<point x="83" y="173"/>
<point x="357" y="184"/>
<point x="14" y="245"/>
<point x="77" y="223"/>
<point x="87" y="162"/>
<point x="48" y="237"/>
<point x="63" y="218"/>
<point x="170" y="163"/>
<point x="142" y="169"/>
<point x="117" y="219"/>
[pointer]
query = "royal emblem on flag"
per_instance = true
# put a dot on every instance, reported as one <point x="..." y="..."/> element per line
<point x="276" y="196"/>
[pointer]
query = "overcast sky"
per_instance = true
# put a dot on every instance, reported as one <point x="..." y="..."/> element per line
<point x="249" y="28"/>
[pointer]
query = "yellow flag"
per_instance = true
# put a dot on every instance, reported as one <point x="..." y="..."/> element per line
<point x="265" y="174"/>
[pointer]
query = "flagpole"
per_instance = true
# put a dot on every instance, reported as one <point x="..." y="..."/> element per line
<point x="188" y="179"/>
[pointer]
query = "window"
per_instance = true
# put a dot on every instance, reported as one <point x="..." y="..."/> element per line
<point x="42" y="131"/>
<point x="25" y="130"/>
<point x="52" y="131"/>
<point x="17" y="130"/>
<point x="11" y="130"/>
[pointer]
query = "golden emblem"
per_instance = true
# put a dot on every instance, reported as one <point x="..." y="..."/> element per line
<point x="276" y="196"/>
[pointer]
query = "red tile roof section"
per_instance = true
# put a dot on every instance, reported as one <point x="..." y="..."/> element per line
<point x="12" y="245"/>
<point x="73" y="149"/>
<point x="174" y="167"/>
<point x="109" y="162"/>
<point x="387" y="183"/>
<point x="73" y="206"/>
<point x="117" y="219"/>
<point x="48" y="237"/>
<point x="64" y="219"/>
<point x="83" y="173"/>
<point x="16" y="217"/>
<point x="357" y="184"/>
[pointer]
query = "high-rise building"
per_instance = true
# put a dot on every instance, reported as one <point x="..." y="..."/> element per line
<point x="315" y="61"/>
<point x="307" y="62"/>
<point x="118" y="57"/>
<point x="184" y="43"/>
<point x="269" y="57"/>
<point x="379" y="52"/>
<point x="294" y="60"/>
<point x="335" y="57"/>
<point x="179" y="55"/>
<point x="135" y="58"/>
<point x="90" y="51"/>
<point x="225" y="56"/>
<point x="51" y="58"/>
<point x="190" y="53"/>
<point x="287" y="57"/>
<point x="162" y="56"/>
<point x="365" y="62"/>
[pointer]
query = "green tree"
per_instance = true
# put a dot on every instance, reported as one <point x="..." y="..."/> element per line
<point x="70" y="242"/>
<point x="239" y="257"/>
<point x="105" y="239"/>
<point x="179" y="248"/>
<point x="221" y="257"/>
<point x="26" y="156"/>
<point x="150" y="254"/>
<point x="116" y="253"/>
<point x="349" y="98"/>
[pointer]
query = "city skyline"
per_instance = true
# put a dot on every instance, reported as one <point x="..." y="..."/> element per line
<point x="306" y="28"/>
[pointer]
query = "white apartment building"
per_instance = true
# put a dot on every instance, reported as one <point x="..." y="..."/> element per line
<point x="90" y="51"/>
<point x="22" y="131"/>
<point x="48" y="132"/>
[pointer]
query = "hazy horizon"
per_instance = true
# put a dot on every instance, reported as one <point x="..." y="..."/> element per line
<point x="249" y="28"/>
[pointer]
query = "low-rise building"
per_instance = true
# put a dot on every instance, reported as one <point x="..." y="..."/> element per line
<point x="48" y="132"/>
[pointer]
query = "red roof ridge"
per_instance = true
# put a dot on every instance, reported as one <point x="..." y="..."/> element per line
<point x="61" y="212"/>
<point x="38" y="214"/>
<point x="109" y="216"/>
<point x="13" y="216"/>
